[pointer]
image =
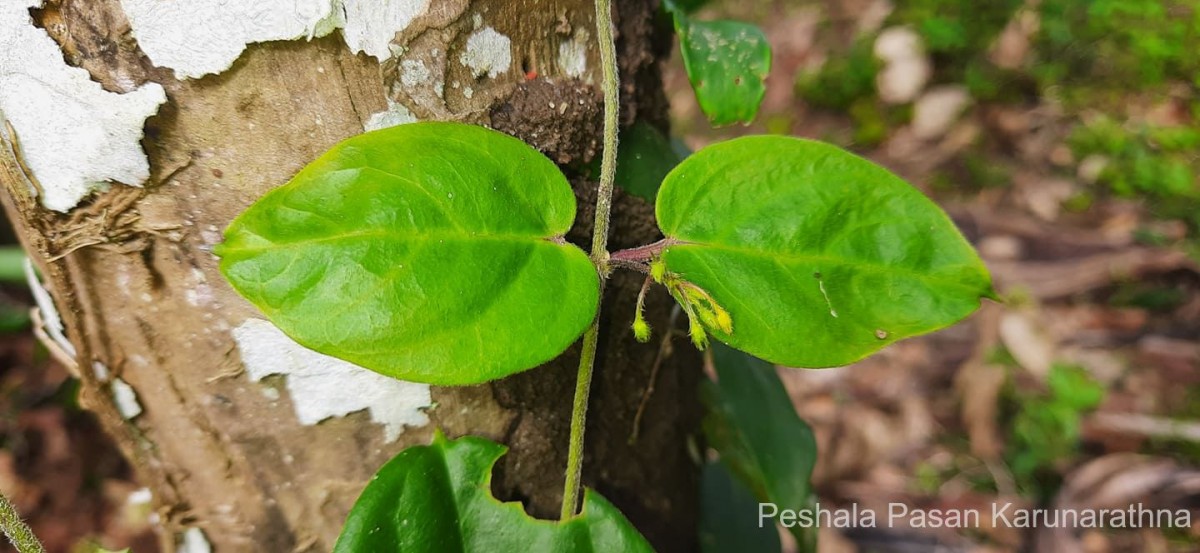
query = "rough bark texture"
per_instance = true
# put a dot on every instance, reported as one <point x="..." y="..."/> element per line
<point x="217" y="452"/>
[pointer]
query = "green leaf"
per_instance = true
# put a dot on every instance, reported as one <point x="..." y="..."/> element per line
<point x="12" y="263"/>
<point x="14" y="317"/>
<point x="727" y="63"/>
<point x="820" y="257"/>
<point x="644" y="157"/>
<point x="729" y="516"/>
<point x="686" y="6"/>
<point x="751" y="422"/>
<point x="429" y="252"/>
<point x="437" y="498"/>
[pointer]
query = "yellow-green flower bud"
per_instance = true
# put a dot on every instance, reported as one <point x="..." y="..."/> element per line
<point x="641" y="330"/>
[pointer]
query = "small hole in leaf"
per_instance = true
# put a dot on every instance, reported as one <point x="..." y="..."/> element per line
<point x="817" y="276"/>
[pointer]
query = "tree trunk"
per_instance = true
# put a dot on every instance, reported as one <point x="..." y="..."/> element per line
<point x="131" y="272"/>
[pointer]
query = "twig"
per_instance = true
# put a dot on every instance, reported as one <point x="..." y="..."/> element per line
<point x="1153" y="427"/>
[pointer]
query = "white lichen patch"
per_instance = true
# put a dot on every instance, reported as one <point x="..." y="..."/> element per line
<point x="572" y="54"/>
<point x="371" y="25"/>
<point x="322" y="386"/>
<point x="125" y="399"/>
<point x="201" y="37"/>
<point x="201" y="292"/>
<point x="52" y="323"/>
<point x="487" y="53"/>
<point x="193" y="541"/>
<point x="395" y="114"/>
<point x="140" y="496"/>
<point x="100" y="370"/>
<point x="413" y="73"/>
<point x="75" y="136"/>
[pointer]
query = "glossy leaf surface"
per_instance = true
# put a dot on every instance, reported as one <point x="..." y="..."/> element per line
<point x="437" y="499"/>
<point x="727" y="63"/>
<point x="429" y="252"/>
<point x="820" y="257"/>
<point x="752" y="423"/>
<point x="644" y="157"/>
<point x="729" y="516"/>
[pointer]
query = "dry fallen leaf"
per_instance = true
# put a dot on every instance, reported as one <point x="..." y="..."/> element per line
<point x="906" y="66"/>
<point x="1117" y="481"/>
<point x="1028" y="341"/>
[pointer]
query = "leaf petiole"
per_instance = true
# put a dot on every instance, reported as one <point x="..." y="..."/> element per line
<point x="643" y="254"/>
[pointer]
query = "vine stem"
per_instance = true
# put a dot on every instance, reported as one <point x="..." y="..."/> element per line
<point x="17" y="531"/>
<point x="608" y="167"/>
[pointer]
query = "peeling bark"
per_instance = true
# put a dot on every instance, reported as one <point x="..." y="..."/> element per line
<point x="217" y="450"/>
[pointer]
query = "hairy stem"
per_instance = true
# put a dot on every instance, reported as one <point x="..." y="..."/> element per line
<point x="608" y="160"/>
<point x="583" y="385"/>
<point x="17" y="531"/>
<point x="608" y="167"/>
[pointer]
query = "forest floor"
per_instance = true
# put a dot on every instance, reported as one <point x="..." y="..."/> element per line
<point x="1065" y="141"/>
<point x="1064" y="149"/>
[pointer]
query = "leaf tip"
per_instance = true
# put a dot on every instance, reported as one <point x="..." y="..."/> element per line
<point x="991" y="294"/>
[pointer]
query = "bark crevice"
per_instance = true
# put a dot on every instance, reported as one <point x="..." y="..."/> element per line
<point x="140" y="292"/>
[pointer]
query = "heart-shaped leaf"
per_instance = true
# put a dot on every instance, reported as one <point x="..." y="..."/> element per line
<point x="437" y="498"/>
<point x="820" y="257"/>
<point x="727" y="63"/>
<point x="429" y="252"/>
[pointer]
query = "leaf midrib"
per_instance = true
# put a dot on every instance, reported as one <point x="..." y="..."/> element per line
<point x="779" y="257"/>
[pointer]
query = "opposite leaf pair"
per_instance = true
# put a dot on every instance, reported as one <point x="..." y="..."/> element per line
<point x="434" y="252"/>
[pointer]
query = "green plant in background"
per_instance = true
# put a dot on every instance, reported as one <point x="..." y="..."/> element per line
<point x="726" y="61"/>
<point x="957" y="33"/>
<point x="1083" y="53"/>
<point x="1127" y="43"/>
<point x="1158" y="163"/>
<point x="434" y="252"/>
<point x="842" y="80"/>
<point x="847" y="83"/>
<point x="14" y="317"/>
<point x="1045" y="430"/>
